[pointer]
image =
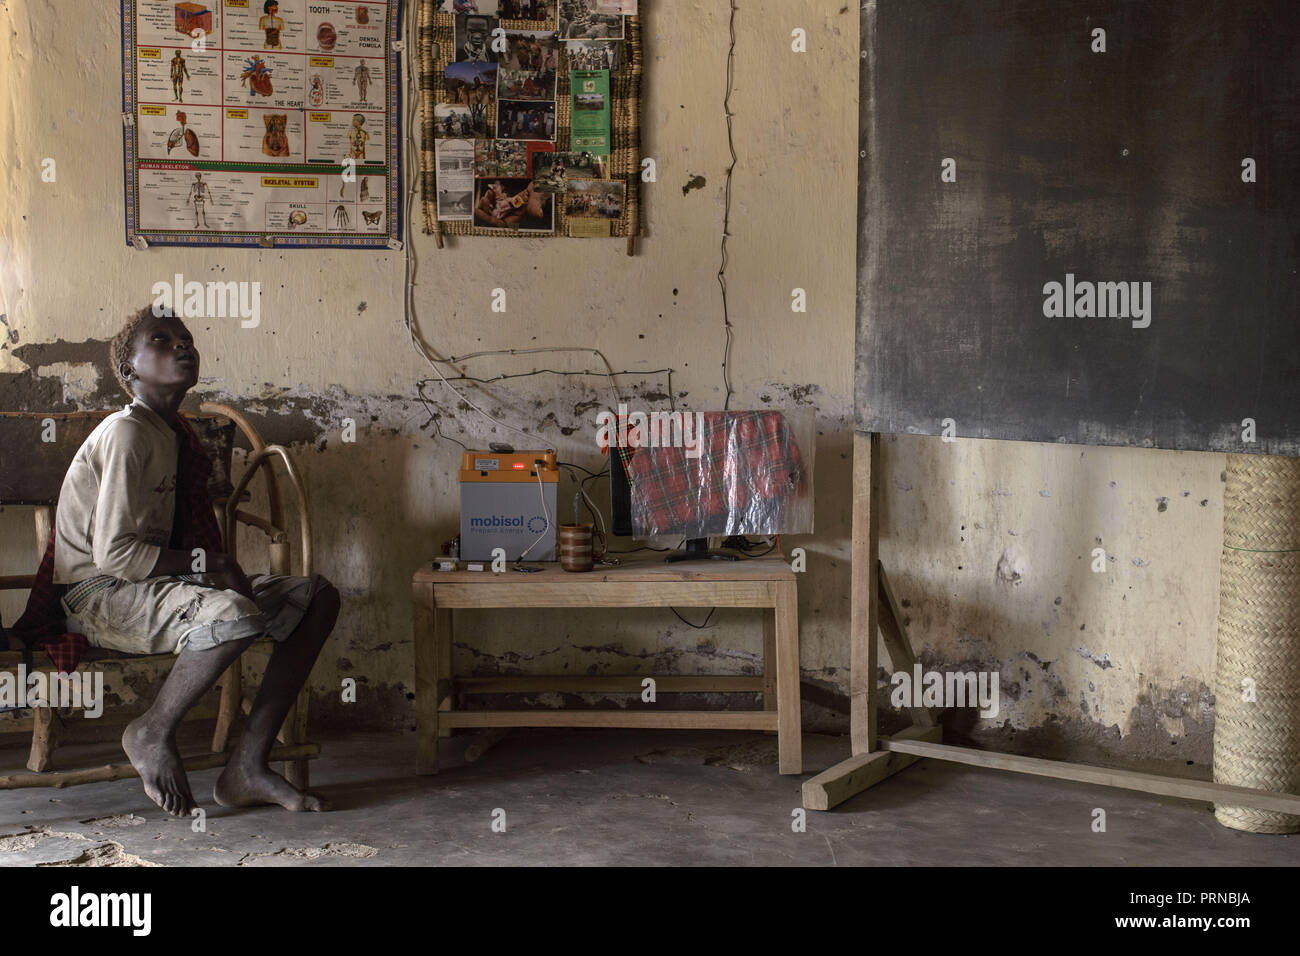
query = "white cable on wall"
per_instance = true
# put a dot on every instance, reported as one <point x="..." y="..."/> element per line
<point x="411" y="266"/>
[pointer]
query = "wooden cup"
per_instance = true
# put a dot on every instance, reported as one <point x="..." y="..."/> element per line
<point x="576" y="547"/>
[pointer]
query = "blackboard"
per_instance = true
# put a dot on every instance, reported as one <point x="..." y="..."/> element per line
<point x="1122" y="166"/>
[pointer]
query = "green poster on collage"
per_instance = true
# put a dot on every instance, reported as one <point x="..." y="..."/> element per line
<point x="589" y="112"/>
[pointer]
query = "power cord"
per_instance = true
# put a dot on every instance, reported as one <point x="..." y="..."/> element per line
<point x="541" y="493"/>
<point x="698" y="627"/>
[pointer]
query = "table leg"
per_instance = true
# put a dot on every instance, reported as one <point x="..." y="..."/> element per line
<point x="769" y="661"/>
<point x="442" y="641"/>
<point x="789" y="719"/>
<point x="427" y="662"/>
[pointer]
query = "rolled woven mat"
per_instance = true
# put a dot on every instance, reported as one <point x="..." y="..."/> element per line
<point x="1257" y="743"/>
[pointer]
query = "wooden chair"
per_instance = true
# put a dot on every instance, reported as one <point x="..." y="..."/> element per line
<point x="35" y="477"/>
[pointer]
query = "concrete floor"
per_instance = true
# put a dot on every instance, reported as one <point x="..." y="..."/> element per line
<point x="584" y="797"/>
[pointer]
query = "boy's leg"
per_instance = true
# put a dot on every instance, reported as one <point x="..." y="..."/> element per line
<point x="150" y="739"/>
<point x="248" y="780"/>
<point x="156" y="616"/>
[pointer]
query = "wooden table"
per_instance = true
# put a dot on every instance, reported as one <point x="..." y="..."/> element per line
<point x="758" y="583"/>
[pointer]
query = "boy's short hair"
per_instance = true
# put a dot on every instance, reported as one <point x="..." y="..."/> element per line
<point x="123" y="345"/>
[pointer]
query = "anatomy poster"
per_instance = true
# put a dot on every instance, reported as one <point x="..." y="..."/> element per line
<point x="255" y="122"/>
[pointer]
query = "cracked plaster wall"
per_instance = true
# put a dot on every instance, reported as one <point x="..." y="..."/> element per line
<point x="987" y="542"/>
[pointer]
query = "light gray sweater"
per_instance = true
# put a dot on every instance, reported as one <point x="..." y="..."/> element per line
<point x="118" y="499"/>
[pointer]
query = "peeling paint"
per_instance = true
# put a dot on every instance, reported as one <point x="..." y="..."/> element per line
<point x="381" y="506"/>
<point x="1012" y="567"/>
<point x="1102" y="661"/>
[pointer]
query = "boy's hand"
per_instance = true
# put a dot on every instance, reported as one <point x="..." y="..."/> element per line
<point x="225" y="572"/>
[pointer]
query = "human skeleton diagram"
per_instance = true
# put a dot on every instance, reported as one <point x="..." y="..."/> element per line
<point x="199" y="196"/>
<point x="341" y="217"/>
<point x="361" y="79"/>
<point x="180" y="73"/>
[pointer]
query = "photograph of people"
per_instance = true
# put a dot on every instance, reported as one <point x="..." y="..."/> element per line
<point x="473" y="39"/>
<point x="498" y="208"/>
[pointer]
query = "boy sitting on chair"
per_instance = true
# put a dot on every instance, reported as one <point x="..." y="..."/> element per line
<point x="129" y="514"/>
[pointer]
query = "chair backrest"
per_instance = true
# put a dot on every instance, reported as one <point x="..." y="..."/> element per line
<point x="39" y="447"/>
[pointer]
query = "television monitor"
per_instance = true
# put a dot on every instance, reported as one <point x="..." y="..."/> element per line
<point x="739" y="473"/>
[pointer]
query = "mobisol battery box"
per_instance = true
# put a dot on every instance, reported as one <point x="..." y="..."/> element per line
<point x="501" y="505"/>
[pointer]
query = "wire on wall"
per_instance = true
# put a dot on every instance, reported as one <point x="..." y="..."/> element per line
<point x="726" y="214"/>
<point x="412" y="322"/>
<point x="437" y="361"/>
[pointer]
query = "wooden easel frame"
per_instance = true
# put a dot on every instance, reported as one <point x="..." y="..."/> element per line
<point x="875" y="757"/>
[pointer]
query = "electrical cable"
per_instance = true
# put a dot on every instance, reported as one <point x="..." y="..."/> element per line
<point x="583" y="496"/>
<point x="435" y="418"/>
<point x="591" y="506"/>
<point x="590" y="473"/>
<point x="411" y="268"/>
<point x="541" y="492"/>
<point x="698" y="627"/>
<point x="609" y="369"/>
<point x="726" y="215"/>
<point x="555" y="371"/>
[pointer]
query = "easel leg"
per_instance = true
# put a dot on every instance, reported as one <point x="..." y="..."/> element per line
<point x="863" y="616"/>
<point x="897" y="644"/>
<point x="850" y="777"/>
<point x="874" y="610"/>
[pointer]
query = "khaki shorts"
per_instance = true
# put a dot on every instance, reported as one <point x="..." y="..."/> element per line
<point x="168" y="614"/>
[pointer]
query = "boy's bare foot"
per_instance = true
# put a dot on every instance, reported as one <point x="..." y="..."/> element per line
<point x="241" y="786"/>
<point x="156" y="759"/>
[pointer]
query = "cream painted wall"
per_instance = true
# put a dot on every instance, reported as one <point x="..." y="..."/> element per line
<point x="332" y="345"/>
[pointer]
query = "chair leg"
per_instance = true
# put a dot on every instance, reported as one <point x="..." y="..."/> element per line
<point x="44" y="739"/>
<point x="232" y="692"/>
<point x="298" y="772"/>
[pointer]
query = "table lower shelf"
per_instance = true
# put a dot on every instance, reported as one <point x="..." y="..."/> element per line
<point x="614" y="684"/>
<point x="661" y="720"/>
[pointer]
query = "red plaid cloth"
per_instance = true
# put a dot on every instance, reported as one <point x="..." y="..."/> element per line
<point x="745" y="480"/>
<point x="43" y="621"/>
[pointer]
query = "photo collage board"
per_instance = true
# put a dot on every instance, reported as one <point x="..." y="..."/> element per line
<point x="256" y="122"/>
<point x="535" y="117"/>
